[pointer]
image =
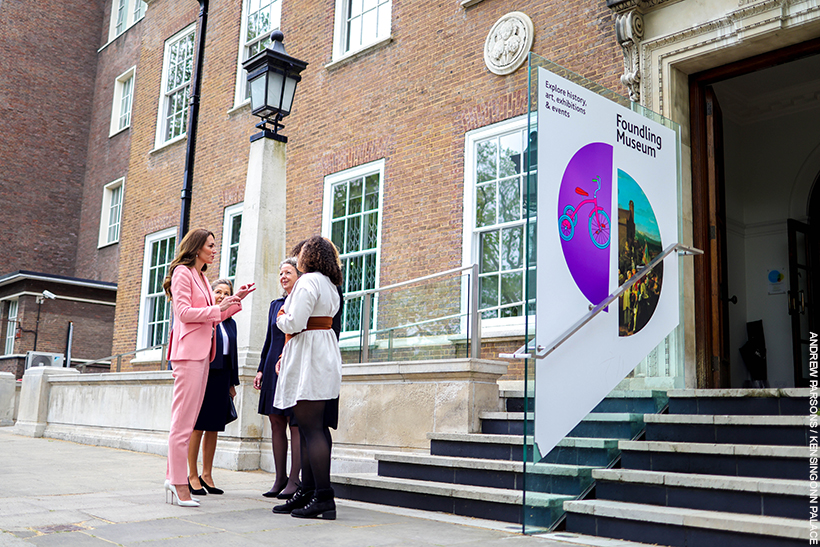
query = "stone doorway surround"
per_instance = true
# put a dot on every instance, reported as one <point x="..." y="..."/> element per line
<point x="665" y="41"/>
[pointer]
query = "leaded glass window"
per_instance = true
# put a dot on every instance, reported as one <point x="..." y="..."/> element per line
<point x="354" y="229"/>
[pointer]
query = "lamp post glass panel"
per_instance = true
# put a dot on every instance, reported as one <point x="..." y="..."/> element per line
<point x="272" y="78"/>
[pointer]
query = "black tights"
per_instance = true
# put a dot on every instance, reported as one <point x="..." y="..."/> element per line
<point x="315" y="443"/>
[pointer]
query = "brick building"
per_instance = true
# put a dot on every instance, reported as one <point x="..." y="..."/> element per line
<point x="46" y="111"/>
<point x="404" y="148"/>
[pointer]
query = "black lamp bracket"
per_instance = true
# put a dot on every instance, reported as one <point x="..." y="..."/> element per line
<point x="268" y="132"/>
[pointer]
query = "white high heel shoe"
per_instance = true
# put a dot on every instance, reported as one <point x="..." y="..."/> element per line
<point x="169" y="489"/>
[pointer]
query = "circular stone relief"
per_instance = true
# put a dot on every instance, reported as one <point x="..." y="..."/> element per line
<point x="508" y="43"/>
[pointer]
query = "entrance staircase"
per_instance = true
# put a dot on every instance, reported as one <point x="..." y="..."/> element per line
<point x="723" y="467"/>
<point x="482" y="474"/>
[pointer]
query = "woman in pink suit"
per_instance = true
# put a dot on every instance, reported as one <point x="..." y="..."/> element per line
<point x="191" y="348"/>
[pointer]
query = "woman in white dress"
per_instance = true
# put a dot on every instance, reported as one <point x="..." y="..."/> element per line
<point x="310" y="373"/>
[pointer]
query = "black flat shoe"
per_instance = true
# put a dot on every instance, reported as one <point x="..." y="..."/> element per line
<point x="200" y="492"/>
<point x="274" y="492"/>
<point x="210" y="489"/>
<point x="299" y="499"/>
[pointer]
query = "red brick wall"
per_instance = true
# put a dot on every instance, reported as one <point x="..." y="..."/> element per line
<point x="410" y="102"/>
<point x="47" y="67"/>
<point x="108" y="155"/>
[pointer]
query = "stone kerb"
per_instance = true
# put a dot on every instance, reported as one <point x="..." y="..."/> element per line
<point x="395" y="405"/>
<point x="8" y="394"/>
<point x="34" y="399"/>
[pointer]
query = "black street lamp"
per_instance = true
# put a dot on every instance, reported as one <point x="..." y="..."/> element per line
<point x="272" y="78"/>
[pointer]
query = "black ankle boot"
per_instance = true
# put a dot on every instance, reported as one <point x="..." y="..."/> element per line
<point x="322" y="506"/>
<point x="299" y="499"/>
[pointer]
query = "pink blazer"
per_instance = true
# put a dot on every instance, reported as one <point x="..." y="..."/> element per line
<point x="195" y="316"/>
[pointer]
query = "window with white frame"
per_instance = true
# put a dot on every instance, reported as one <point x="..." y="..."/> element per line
<point x="177" y="68"/>
<point x="231" y="228"/>
<point x="155" y="309"/>
<point x="11" y="327"/>
<point x="111" y="213"/>
<point x="124" y="14"/>
<point x="123" y="97"/>
<point x="496" y="167"/>
<point x="359" y="24"/>
<point x="259" y="19"/>
<point x="352" y="220"/>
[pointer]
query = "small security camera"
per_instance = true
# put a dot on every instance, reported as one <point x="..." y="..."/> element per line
<point x="50" y="295"/>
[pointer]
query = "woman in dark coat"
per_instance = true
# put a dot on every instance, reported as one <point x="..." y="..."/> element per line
<point x="265" y="381"/>
<point x="223" y="375"/>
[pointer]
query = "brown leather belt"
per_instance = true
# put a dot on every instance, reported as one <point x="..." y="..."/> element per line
<point x="313" y="323"/>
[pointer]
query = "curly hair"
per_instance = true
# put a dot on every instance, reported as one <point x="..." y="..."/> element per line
<point x="319" y="255"/>
<point x="186" y="254"/>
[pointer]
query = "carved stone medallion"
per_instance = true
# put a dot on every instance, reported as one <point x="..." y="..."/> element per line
<point x="508" y="43"/>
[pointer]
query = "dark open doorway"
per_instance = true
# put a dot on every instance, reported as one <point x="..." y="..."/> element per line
<point x="746" y="151"/>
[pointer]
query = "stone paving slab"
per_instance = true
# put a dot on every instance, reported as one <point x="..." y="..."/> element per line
<point x="62" y="494"/>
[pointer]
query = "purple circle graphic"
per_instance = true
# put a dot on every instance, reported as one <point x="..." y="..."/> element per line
<point x="584" y="213"/>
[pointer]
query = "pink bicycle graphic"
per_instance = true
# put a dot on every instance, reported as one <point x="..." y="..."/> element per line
<point x="599" y="225"/>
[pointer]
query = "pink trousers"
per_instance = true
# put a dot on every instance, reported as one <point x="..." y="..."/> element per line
<point x="190" y="378"/>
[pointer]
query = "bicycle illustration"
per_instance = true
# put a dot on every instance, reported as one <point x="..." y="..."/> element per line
<point x="599" y="225"/>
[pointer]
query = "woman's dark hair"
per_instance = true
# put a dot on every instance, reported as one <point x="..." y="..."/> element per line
<point x="319" y="255"/>
<point x="186" y="254"/>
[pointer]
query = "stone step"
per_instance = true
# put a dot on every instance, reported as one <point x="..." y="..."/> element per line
<point x="790" y="401"/>
<point x="595" y="452"/>
<point x="733" y="429"/>
<point x="620" y="425"/>
<point x="751" y="495"/>
<point x="471" y="501"/>
<point x="681" y="527"/>
<point x="629" y="401"/>
<point x="767" y="461"/>
<point x="542" y="477"/>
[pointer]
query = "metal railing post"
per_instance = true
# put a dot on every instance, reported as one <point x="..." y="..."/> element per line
<point x="119" y="362"/>
<point x="475" y="327"/>
<point x="164" y="361"/>
<point x="366" y="328"/>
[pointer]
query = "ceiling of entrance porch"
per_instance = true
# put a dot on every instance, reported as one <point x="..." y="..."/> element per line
<point x="784" y="89"/>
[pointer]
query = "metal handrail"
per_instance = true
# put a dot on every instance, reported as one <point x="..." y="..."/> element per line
<point x="473" y="329"/>
<point x="542" y="351"/>
<point x="119" y="357"/>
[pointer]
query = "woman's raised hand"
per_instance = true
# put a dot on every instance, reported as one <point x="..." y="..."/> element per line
<point x="228" y="301"/>
<point x="245" y="290"/>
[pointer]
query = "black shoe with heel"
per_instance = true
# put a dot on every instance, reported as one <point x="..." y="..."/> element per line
<point x="322" y="506"/>
<point x="210" y="489"/>
<point x="299" y="499"/>
<point x="200" y="492"/>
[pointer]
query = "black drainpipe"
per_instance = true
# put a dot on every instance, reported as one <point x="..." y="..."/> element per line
<point x="193" y="118"/>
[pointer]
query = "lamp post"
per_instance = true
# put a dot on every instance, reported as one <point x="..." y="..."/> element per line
<point x="272" y="79"/>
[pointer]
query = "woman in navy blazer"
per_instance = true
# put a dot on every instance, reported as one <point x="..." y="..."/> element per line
<point x="219" y="391"/>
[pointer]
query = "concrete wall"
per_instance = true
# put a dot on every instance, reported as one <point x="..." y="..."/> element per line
<point x="384" y="406"/>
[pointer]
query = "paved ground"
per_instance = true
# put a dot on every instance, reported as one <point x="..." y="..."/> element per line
<point x="57" y="493"/>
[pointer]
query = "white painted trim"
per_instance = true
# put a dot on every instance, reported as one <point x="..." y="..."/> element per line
<point x="58" y="297"/>
<point x="241" y="76"/>
<point x="469" y="239"/>
<point x="142" y="323"/>
<point x="58" y="280"/>
<point x="377" y="166"/>
<point x="340" y="33"/>
<point x="116" y="112"/>
<point x="108" y="190"/>
<point x="230" y="212"/>
<point x="160" y="130"/>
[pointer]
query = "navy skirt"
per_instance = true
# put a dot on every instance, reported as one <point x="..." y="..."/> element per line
<point x="216" y="402"/>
